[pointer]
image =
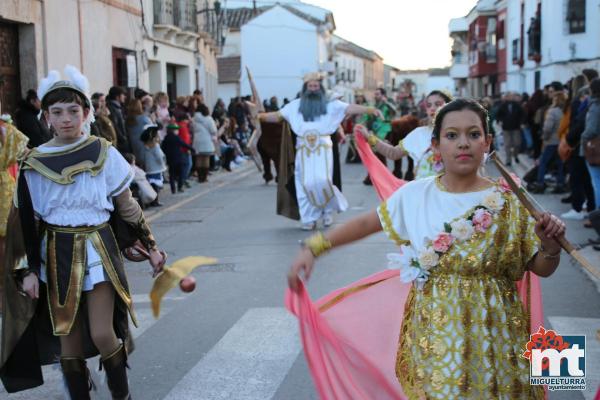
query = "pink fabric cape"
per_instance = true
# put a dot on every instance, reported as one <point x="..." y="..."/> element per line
<point x="350" y="336"/>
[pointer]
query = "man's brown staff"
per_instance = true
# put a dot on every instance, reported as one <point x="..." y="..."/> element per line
<point x="256" y="134"/>
<point x="535" y="209"/>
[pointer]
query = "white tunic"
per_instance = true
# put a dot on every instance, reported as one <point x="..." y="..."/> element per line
<point x="85" y="202"/>
<point x="315" y="191"/>
<point x="418" y="146"/>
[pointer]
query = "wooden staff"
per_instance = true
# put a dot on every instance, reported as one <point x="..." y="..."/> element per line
<point x="256" y="134"/>
<point x="536" y="210"/>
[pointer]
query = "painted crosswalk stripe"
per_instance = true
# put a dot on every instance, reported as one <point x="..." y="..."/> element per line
<point x="248" y="363"/>
<point x="587" y="327"/>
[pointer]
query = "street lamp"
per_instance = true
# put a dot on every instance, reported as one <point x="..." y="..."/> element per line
<point x="216" y="8"/>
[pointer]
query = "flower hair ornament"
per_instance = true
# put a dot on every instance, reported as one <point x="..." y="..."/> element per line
<point x="74" y="81"/>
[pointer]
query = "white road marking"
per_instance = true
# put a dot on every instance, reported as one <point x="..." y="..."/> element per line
<point x="588" y="327"/>
<point x="248" y="363"/>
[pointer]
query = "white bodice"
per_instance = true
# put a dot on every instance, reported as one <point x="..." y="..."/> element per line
<point x="86" y="201"/>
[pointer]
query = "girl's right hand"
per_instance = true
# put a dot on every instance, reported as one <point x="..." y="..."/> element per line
<point x="31" y="285"/>
<point x="305" y="261"/>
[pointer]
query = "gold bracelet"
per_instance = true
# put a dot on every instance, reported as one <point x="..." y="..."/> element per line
<point x="317" y="244"/>
<point x="373" y="140"/>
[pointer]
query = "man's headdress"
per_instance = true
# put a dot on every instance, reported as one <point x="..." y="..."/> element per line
<point x="312" y="76"/>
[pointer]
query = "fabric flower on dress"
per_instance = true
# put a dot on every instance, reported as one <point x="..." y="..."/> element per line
<point x="409" y="273"/>
<point x="482" y="220"/>
<point x="462" y="229"/>
<point x="428" y="258"/>
<point x="442" y="242"/>
<point x="505" y="187"/>
<point x="493" y="201"/>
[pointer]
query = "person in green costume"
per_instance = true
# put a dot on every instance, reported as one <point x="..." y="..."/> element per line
<point x="381" y="127"/>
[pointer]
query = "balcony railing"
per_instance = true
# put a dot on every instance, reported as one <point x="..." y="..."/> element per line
<point x="179" y="13"/>
<point x="163" y="12"/>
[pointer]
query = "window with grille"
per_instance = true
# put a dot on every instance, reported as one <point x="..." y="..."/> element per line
<point x="576" y="16"/>
<point x="515" y="51"/>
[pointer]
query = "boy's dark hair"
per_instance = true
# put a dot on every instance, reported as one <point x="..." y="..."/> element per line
<point x="459" y="105"/>
<point x="115" y="92"/>
<point x="382" y="91"/>
<point x="202" y="109"/>
<point x="64" y="95"/>
<point x="443" y="95"/>
<point x="595" y="87"/>
<point x="197" y="92"/>
<point x="149" y="134"/>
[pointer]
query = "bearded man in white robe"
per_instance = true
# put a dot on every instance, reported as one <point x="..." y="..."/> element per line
<point x="313" y="118"/>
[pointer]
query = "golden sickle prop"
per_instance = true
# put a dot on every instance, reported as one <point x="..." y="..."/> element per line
<point x="255" y="137"/>
<point x="535" y="209"/>
<point x="170" y="277"/>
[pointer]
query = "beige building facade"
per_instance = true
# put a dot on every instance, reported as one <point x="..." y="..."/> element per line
<point x="155" y="45"/>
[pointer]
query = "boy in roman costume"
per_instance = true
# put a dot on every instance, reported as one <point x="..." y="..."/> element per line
<point x="66" y="289"/>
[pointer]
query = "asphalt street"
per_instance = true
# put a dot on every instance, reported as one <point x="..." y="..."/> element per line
<point x="232" y="338"/>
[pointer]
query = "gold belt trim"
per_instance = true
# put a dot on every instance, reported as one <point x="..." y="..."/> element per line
<point x="75" y="229"/>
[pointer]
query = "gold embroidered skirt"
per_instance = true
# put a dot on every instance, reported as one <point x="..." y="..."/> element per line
<point x="468" y="347"/>
<point x="66" y="264"/>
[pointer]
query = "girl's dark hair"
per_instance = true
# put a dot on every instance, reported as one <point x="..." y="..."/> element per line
<point x="459" y="105"/>
<point x="443" y="95"/>
<point x="63" y="95"/>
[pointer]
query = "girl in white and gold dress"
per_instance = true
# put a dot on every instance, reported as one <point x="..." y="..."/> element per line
<point x="451" y="323"/>
<point x="417" y="144"/>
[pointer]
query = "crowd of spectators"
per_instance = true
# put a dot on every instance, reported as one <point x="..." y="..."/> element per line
<point x="177" y="139"/>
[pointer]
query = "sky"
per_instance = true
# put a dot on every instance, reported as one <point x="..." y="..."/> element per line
<point x="408" y="34"/>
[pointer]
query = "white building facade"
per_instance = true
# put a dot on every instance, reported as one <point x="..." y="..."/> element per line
<point x="154" y="45"/>
<point x="269" y="48"/>
<point x="459" y="70"/>
<point x="549" y="41"/>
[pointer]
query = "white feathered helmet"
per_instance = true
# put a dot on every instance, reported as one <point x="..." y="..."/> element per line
<point x="75" y="81"/>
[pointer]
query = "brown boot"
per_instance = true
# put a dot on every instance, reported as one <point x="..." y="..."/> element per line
<point x="77" y="377"/>
<point x="115" y="366"/>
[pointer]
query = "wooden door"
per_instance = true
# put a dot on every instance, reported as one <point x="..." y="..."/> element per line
<point x="10" y="81"/>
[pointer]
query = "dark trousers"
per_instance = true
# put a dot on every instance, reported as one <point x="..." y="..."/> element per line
<point x="550" y="154"/>
<point x="176" y="173"/>
<point x="581" y="183"/>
